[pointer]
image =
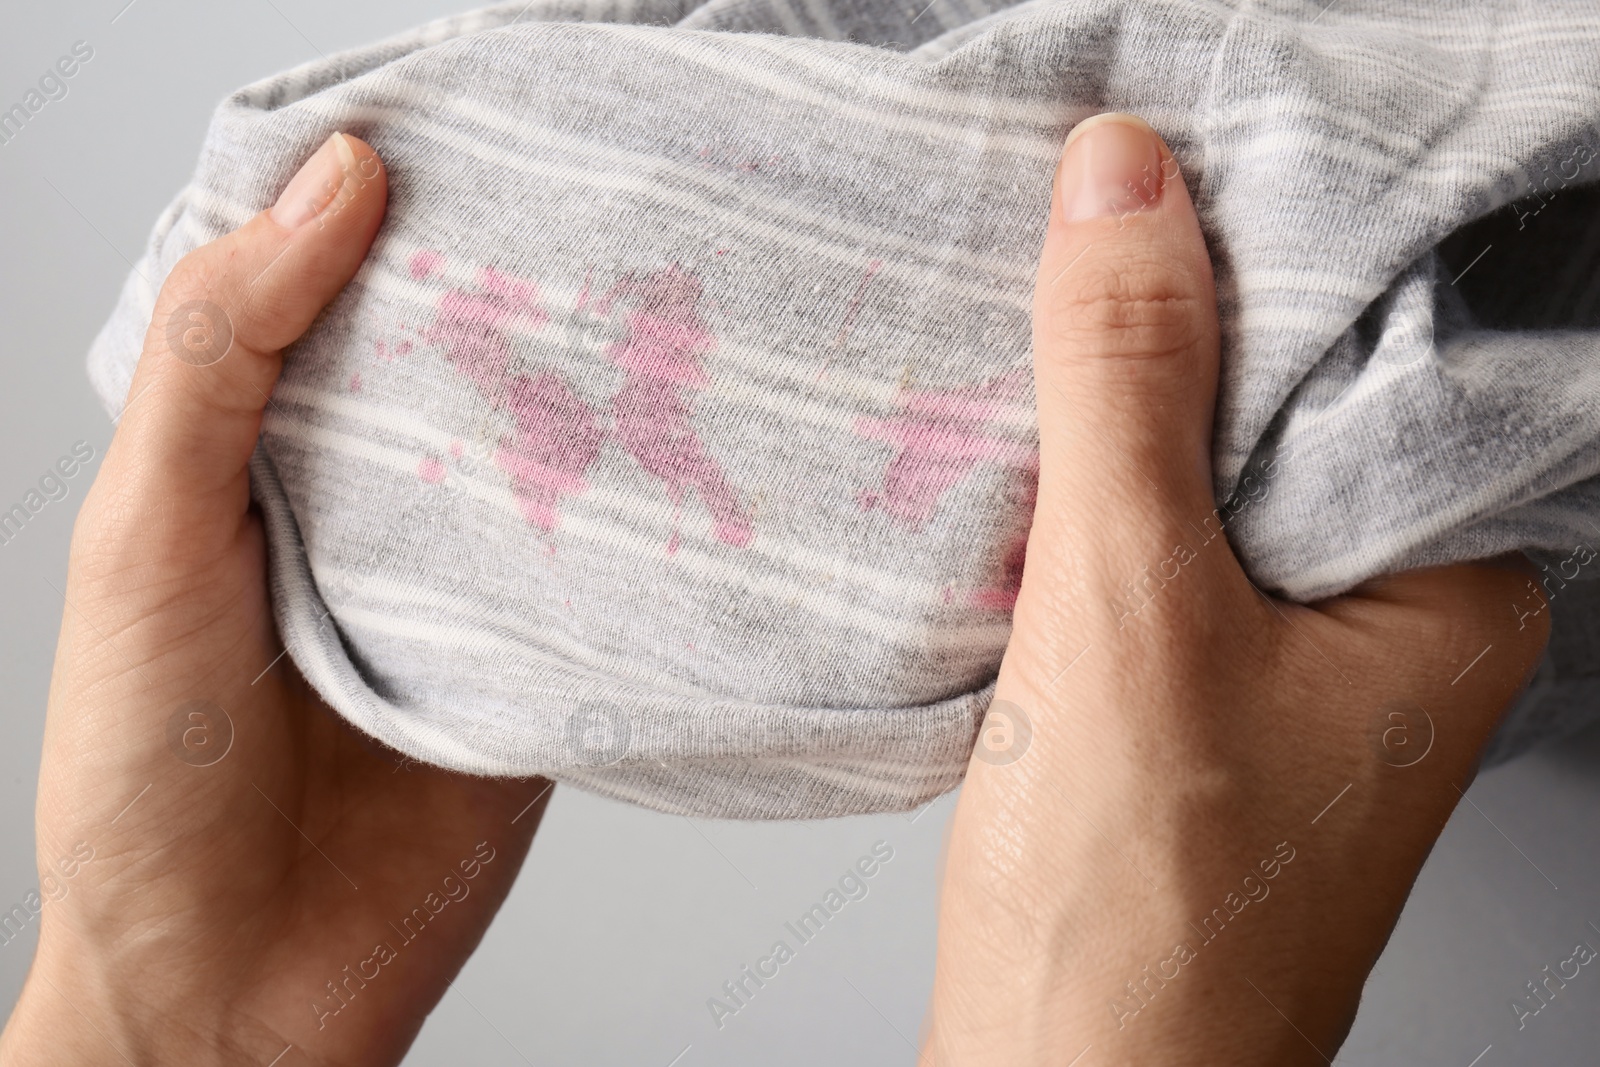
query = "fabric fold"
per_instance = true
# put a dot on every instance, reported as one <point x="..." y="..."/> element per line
<point x="676" y="440"/>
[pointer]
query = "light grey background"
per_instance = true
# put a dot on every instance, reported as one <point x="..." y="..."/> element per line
<point x="624" y="922"/>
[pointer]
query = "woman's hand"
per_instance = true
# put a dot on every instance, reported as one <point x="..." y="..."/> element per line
<point x="1225" y="798"/>
<point x="228" y="873"/>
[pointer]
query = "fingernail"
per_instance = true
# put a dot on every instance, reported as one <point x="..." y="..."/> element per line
<point x="316" y="185"/>
<point x="1110" y="165"/>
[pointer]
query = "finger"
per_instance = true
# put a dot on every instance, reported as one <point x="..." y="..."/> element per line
<point x="1452" y="646"/>
<point x="1478" y="629"/>
<point x="1125" y="343"/>
<point x="227" y="310"/>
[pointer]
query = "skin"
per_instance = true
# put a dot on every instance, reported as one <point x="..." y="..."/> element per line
<point x="221" y="899"/>
<point x="206" y="924"/>
<point x="1199" y="734"/>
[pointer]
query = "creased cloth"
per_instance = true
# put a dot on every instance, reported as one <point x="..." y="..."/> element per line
<point x="677" y="438"/>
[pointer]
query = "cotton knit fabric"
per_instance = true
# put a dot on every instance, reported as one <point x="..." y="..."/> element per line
<point x="677" y="438"/>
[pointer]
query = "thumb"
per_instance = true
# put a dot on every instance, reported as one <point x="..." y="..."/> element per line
<point x="227" y="310"/>
<point x="1126" y="344"/>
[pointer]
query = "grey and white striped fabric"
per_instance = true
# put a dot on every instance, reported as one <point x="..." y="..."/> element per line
<point x="677" y="438"/>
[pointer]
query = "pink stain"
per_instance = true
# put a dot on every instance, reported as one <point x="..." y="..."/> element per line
<point x="430" y="470"/>
<point x="472" y="327"/>
<point x="423" y="264"/>
<point x="1003" y="597"/>
<point x="355" y="382"/>
<point x="556" y="438"/>
<point x="382" y="350"/>
<point x="660" y="357"/>
<point x="851" y="311"/>
<point x="854" y="308"/>
<point x="555" y="442"/>
<point x="456" y="449"/>
<point x="726" y="158"/>
<point x="940" y="436"/>
<point x="403" y="348"/>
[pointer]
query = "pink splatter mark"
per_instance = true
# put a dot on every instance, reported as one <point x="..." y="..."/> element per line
<point x="387" y="354"/>
<point x="660" y="356"/>
<point x="423" y="264"/>
<point x="472" y="327"/>
<point x="556" y="437"/>
<point x="940" y="435"/>
<point x="430" y="470"/>
<point x="555" y="442"/>
<point x="726" y="158"/>
<point x="1003" y="596"/>
<point x="855" y="303"/>
<point x="355" y="382"/>
<point x="456" y="449"/>
<point x="851" y="311"/>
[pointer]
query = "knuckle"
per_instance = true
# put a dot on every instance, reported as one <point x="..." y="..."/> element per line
<point x="1128" y="310"/>
<point x="196" y="276"/>
<point x="192" y="321"/>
